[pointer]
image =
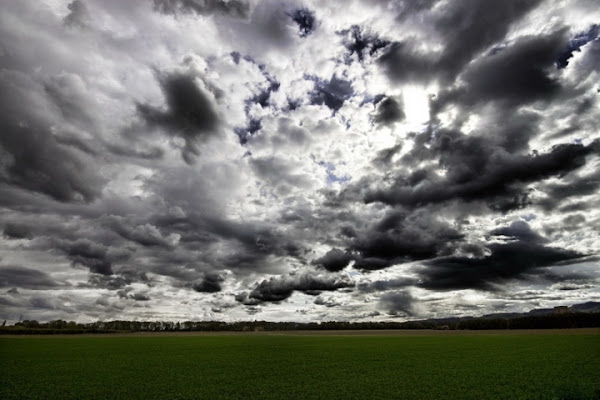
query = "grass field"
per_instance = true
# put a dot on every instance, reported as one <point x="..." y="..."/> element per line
<point x="516" y="366"/>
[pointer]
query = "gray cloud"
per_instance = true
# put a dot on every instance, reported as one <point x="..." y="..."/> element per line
<point x="281" y="288"/>
<point x="385" y="285"/>
<point x="480" y="171"/>
<point x="398" y="238"/>
<point x="144" y="235"/>
<point x="232" y="8"/>
<point x="518" y="73"/>
<point x="88" y="254"/>
<point x="334" y="260"/>
<point x="140" y="297"/>
<point x="124" y="278"/>
<point x="388" y="111"/>
<point x="398" y="303"/>
<point x="521" y="255"/>
<point x="26" y="278"/>
<point x="211" y="283"/>
<point x="466" y="29"/>
<point x="190" y="113"/>
<point x="31" y="157"/>
<point x="78" y="16"/>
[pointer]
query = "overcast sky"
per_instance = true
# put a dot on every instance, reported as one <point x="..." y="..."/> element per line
<point x="297" y="160"/>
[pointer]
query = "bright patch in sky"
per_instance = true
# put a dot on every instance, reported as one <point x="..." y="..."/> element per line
<point x="416" y="106"/>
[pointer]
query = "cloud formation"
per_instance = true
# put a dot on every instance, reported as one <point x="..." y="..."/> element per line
<point x="312" y="161"/>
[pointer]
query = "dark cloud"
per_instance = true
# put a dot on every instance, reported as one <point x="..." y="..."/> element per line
<point x="250" y="246"/>
<point x="520" y="230"/>
<point x="384" y="157"/>
<point x="245" y="299"/>
<point x="388" y="111"/>
<point x="466" y="29"/>
<point x="24" y="226"/>
<point x="26" y="278"/>
<point x="232" y="8"/>
<point x="385" y="285"/>
<point x="190" y="112"/>
<point x="518" y="73"/>
<point x="399" y="238"/>
<point x="17" y="231"/>
<point x="403" y="63"/>
<point x="569" y="286"/>
<point x="88" y="254"/>
<point x="145" y="235"/>
<point x="398" y="303"/>
<point x="348" y="231"/>
<point x="211" y="283"/>
<point x="150" y="153"/>
<point x="373" y="263"/>
<point x="522" y="255"/>
<point x="140" y="297"/>
<point x="306" y="21"/>
<point x="119" y="280"/>
<point x="41" y="303"/>
<point x="334" y="260"/>
<point x="78" y="16"/>
<point x="280" y="288"/>
<point x="478" y="170"/>
<point x="7" y="302"/>
<point x="65" y="178"/>
<point x="124" y="293"/>
<point x="30" y="156"/>
<point x="332" y="93"/>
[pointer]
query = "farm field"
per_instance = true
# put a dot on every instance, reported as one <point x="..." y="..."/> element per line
<point x="528" y="365"/>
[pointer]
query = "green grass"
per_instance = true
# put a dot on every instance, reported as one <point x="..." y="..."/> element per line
<point x="539" y="366"/>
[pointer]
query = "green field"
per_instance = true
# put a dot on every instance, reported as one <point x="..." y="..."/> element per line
<point x="516" y="366"/>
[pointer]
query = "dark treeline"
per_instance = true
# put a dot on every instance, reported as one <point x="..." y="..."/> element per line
<point x="554" y="321"/>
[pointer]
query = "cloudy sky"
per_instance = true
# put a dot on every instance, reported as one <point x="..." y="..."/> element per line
<point x="297" y="160"/>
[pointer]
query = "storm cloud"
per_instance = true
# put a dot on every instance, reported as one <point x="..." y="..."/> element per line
<point x="281" y="288"/>
<point x="512" y="260"/>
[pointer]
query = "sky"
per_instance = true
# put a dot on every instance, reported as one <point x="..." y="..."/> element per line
<point x="297" y="160"/>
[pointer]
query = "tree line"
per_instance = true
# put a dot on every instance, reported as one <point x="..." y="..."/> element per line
<point x="552" y="321"/>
